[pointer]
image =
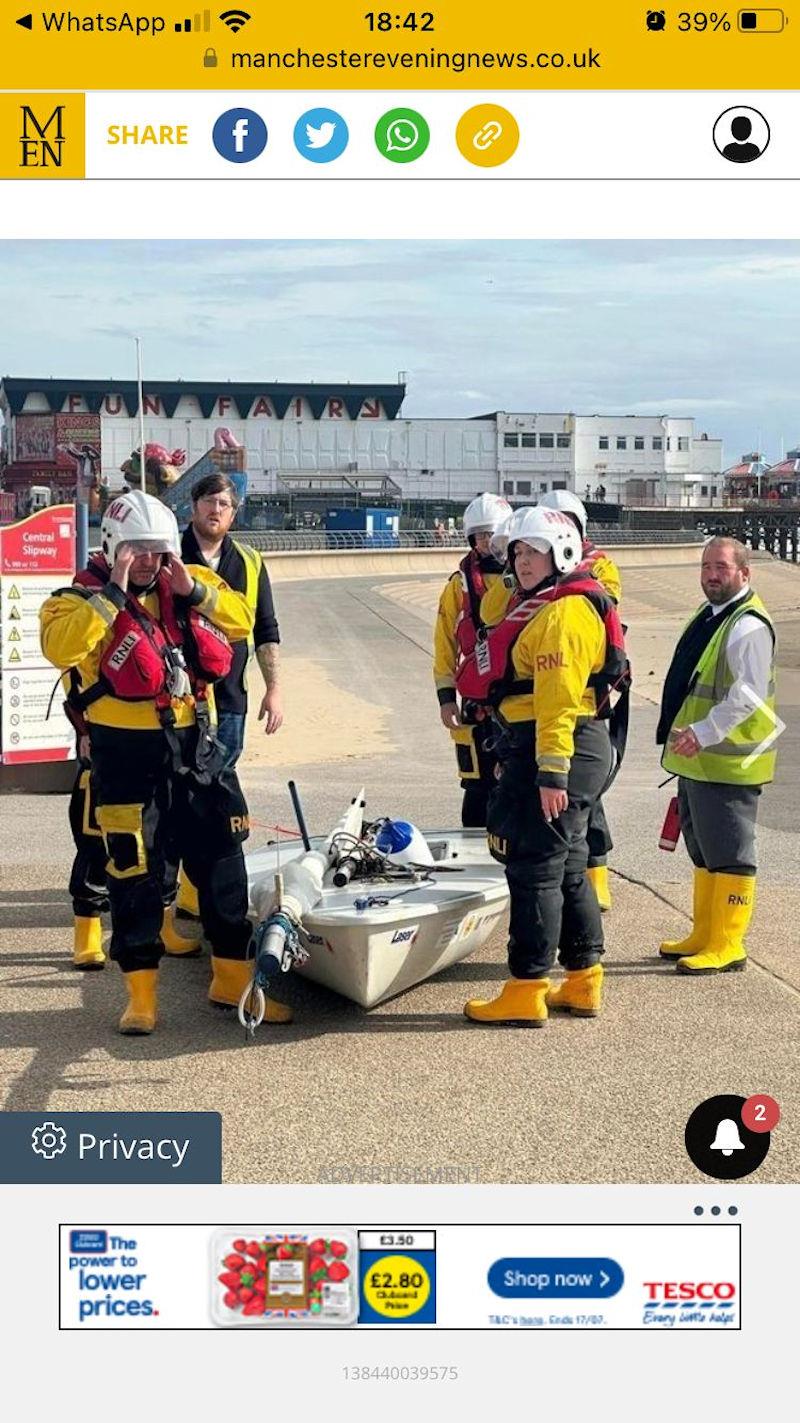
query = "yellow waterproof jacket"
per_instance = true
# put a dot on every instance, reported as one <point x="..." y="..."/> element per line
<point x="495" y="600"/>
<point x="559" y="649"/>
<point x="75" y="632"/>
<point x="445" y="646"/>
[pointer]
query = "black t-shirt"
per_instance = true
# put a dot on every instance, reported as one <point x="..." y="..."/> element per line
<point x="230" y="693"/>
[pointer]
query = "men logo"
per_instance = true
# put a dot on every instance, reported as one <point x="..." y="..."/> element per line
<point x="42" y="138"/>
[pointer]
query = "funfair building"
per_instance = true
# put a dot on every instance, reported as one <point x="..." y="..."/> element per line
<point x="319" y="436"/>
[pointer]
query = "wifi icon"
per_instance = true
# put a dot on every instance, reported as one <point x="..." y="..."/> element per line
<point x="235" y="19"/>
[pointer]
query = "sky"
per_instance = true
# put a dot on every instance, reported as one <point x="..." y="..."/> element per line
<point x="708" y="329"/>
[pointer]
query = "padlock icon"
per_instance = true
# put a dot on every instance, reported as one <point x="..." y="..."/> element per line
<point x="210" y="58"/>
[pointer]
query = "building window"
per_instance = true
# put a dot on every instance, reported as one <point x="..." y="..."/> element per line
<point x="559" y="484"/>
<point x="529" y="442"/>
<point x="543" y="488"/>
<point x="683" y="443"/>
<point x="508" y="486"/>
<point x="713" y="491"/>
<point x="638" y="442"/>
<point x="622" y="442"/>
<point x="546" y="442"/>
<point x="704" y="491"/>
<point x="658" y="442"/>
<point x="523" y="486"/>
<point x="511" y="442"/>
<point x="562" y="442"/>
<point x="602" y="443"/>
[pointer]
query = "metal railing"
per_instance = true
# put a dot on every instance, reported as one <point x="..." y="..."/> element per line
<point x="313" y="540"/>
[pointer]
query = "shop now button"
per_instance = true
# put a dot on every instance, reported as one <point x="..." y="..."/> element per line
<point x="567" y="1278"/>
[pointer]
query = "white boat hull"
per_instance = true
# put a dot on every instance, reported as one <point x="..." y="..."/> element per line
<point x="371" y="954"/>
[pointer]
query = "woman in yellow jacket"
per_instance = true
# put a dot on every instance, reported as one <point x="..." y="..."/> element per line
<point x="555" y="758"/>
<point x="139" y="634"/>
<point x="605" y="570"/>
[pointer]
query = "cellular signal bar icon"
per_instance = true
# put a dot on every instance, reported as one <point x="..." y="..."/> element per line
<point x="199" y="23"/>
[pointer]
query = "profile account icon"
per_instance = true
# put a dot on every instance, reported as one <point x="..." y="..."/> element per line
<point x="741" y="134"/>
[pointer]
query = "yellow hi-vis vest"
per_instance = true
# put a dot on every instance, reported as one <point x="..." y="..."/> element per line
<point x="252" y="570"/>
<point x="739" y="759"/>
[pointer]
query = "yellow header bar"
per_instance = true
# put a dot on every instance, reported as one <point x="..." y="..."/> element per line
<point x="444" y="44"/>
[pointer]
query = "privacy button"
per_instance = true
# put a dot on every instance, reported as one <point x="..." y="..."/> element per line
<point x="567" y="1278"/>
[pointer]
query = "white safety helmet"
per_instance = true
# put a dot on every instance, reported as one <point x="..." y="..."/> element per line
<point x="568" y="504"/>
<point x="485" y="514"/>
<point x="547" y="530"/>
<point x="498" y="543"/>
<point x="142" y="520"/>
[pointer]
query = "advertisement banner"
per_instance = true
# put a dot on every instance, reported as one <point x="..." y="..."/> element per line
<point x="35" y="438"/>
<point x="37" y="555"/>
<point x="476" y="1277"/>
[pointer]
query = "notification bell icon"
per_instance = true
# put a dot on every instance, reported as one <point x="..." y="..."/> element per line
<point x="727" y="1139"/>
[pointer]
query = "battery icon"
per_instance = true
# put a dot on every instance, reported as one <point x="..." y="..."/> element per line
<point x="761" y="22"/>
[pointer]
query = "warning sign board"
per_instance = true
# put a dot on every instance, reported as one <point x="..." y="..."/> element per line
<point x="37" y="555"/>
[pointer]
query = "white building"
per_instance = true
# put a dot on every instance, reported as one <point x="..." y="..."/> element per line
<point x="295" y="433"/>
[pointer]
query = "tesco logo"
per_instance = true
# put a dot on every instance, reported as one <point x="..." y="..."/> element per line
<point x="689" y="1290"/>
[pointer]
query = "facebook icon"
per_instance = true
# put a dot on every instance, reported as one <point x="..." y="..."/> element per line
<point x="240" y="135"/>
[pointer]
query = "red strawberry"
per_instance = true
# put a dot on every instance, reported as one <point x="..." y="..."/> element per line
<point x="260" y="1286"/>
<point x="240" y="1245"/>
<point x="234" y="1262"/>
<point x="261" y="1264"/>
<point x="284" y="1252"/>
<point x="318" y="1247"/>
<point x="246" y="1295"/>
<point x="338" y="1248"/>
<point x="230" y="1279"/>
<point x="253" y="1248"/>
<point x="317" y="1263"/>
<point x="256" y="1306"/>
<point x="231" y="1300"/>
<point x="337" y="1271"/>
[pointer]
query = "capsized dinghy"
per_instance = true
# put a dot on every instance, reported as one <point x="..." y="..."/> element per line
<point x="372" y="909"/>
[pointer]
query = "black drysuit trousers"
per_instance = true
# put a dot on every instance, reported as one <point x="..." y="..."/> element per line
<point x="147" y="812"/>
<point x="554" y="909"/>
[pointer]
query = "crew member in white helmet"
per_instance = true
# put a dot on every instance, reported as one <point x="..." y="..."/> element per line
<point x="544" y="672"/>
<point x="144" y="637"/>
<point x="605" y="570"/>
<point x="457" y="625"/>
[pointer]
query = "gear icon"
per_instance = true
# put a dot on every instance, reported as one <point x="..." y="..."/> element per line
<point x="49" y="1140"/>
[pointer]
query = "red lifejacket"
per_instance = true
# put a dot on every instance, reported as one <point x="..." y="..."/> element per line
<point x="486" y="675"/>
<point x="144" y="650"/>
<point x="473" y="587"/>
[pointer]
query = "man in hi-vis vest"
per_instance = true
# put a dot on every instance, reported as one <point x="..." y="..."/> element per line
<point x="717" y="726"/>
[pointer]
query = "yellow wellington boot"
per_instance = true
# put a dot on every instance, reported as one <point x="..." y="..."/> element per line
<point x="521" y="1004"/>
<point x="731" y="912"/>
<point x="139" y="1017"/>
<point x="230" y="979"/>
<point x="174" y="943"/>
<point x="87" y="948"/>
<point x="597" y="876"/>
<point x="187" y="896"/>
<point x="580" y="994"/>
<point x="698" y="938"/>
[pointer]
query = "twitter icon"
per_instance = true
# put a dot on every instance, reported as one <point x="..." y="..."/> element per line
<point x="321" y="135"/>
